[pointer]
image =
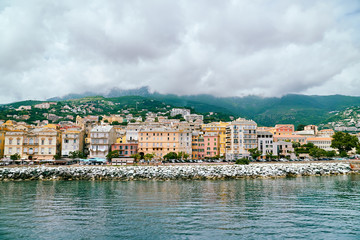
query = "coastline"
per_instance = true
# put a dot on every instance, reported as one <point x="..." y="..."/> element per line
<point x="185" y="172"/>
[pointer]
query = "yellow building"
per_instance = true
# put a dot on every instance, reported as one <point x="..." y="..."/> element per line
<point x="220" y="128"/>
<point x="13" y="143"/>
<point x="2" y="141"/>
<point x="121" y="139"/>
<point x="40" y="143"/>
<point x="161" y="141"/>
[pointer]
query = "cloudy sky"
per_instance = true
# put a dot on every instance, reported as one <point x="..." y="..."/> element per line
<point x="226" y="48"/>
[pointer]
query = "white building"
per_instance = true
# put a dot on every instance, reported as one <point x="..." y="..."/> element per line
<point x="101" y="138"/>
<point x="265" y="143"/>
<point x="182" y="111"/>
<point x="240" y="137"/>
<point x="194" y="117"/>
<point x="72" y="140"/>
<point x="321" y="142"/>
<point x="185" y="142"/>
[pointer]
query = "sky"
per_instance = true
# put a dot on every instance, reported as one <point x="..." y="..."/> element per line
<point x="225" y="48"/>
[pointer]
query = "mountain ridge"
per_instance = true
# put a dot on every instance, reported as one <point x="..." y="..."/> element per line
<point x="267" y="111"/>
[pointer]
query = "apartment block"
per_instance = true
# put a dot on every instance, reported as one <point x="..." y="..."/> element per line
<point x="72" y="140"/>
<point x="101" y="138"/>
<point x="240" y="137"/>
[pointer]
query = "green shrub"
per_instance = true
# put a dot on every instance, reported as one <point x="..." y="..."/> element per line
<point x="242" y="161"/>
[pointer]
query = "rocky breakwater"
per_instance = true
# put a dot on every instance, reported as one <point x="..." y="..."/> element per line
<point x="173" y="172"/>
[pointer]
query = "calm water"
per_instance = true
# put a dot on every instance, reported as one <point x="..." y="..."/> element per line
<point x="308" y="207"/>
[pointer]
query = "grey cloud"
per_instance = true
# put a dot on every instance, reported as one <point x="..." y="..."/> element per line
<point x="225" y="48"/>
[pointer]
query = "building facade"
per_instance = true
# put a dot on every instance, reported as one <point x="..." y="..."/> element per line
<point x="240" y="137"/>
<point x="101" y="138"/>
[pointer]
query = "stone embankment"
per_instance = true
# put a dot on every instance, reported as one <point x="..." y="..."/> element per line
<point x="173" y="172"/>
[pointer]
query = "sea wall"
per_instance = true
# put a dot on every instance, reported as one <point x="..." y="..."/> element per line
<point x="172" y="172"/>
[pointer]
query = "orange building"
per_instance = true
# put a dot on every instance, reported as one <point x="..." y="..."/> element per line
<point x="161" y="141"/>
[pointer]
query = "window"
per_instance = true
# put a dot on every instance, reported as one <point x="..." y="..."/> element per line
<point x="10" y="142"/>
<point x="42" y="141"/>
<point x="50" y="141"/>
<point x="10" y="150"/>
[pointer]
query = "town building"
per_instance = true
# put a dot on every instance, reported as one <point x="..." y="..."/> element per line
<point x="265" y="143"/>
<point x="125" y="149"/>
<point x="220" y="128"/>
<point x="321" y="142"/>
<point x="72" y="141"/>
<point x="160" y="141"/>
<point x="240" y="138"/>
<point x="284" y="149"/>
<point x="179" y="111"/>
<point x="101" y="138"/>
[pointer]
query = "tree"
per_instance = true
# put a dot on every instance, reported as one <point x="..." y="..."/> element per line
<point x="344" y="142"/>
<point x="170" y="155"/>
<point x="115" y="123"/>
<point x="136" y="157"/>
<point x="255" y="153"/>
<point x="300" y="127"/>
<point x="15" y="156"/>
<point x="317" y="152"/>
<point x="56" y="157"/>
<point x="331" y="153"/>
<point x="269" y="155"/>
<point x="242" y="161"/>
<point x="76" y="154"/>
<point x="149" y="156"/>
<point x="156" y="119"/>
<point x="113" y="154"/>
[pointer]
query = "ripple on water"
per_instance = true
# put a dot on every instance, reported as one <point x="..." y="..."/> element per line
<point x="311" y="207"/>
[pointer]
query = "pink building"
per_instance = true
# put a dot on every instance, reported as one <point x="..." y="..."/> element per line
<point x="206" y="145"/>
<point x="125" y="149"/>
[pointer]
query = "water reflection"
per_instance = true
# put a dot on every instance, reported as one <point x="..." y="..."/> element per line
<point x="327" y="207"/>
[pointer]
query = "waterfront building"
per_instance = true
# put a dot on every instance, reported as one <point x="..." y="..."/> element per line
<point x="101" y="138"/>
<point x="160" y="141"/>
<point x="220" y="128"/>
<point x="13" y="143"/>
<point x="211" y="144"/>
<point x="2" y="141"/>
<point x="39" y="143"/>
<point x="283" y="149"/>
<point x="321" y="142"/>
<point x="125" y="149"/>
<point x="42" y="143"/>
<point x="72" y="140"/>
<point x="240" y="137"/>
<point x="87" y="123"/>
<point x="265" y="143"/>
